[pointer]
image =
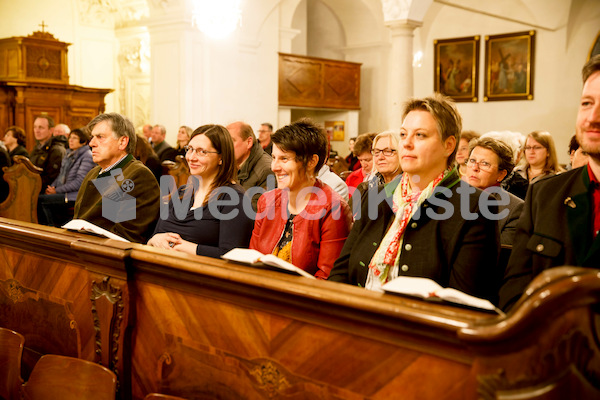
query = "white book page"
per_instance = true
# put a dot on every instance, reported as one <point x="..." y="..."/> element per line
<point x="82" y="225"/>
<point x="248" y="256"/>
<point x="414" y="286"/>
<point x="275" y="261"/>
<point x="456" y="296"/>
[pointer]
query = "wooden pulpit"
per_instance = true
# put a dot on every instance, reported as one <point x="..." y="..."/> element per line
<point x="34" y="80"/>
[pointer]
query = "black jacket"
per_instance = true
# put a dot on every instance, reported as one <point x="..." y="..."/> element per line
<point x="453" y="251"/>
<point x="555" y="229"/>
<point x="48" y="156"/>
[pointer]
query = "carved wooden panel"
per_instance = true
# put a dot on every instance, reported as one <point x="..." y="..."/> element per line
<point x="318" y="83"/>
<point x="205" y="348"/>
<point x="39" y="57"/>
<point x="43" y="63"/>
<point x="69" y="104"/>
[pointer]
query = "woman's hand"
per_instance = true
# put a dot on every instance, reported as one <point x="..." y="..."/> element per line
<point x="186" y="247"/>
<point x="50" y="190"/>
<point x="165" y="240"/>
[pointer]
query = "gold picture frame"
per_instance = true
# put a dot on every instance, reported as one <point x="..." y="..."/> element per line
<point x="509" y="66"/>
<point x="456" y="71"/>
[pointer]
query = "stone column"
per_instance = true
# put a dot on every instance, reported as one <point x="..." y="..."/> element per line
<point x="400" y="68"/>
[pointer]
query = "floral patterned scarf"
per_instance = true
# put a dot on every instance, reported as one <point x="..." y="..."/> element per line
<point x="406" y="202"/>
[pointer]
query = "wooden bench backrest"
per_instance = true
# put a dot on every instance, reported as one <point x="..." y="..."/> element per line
<point x="25" y="183"/>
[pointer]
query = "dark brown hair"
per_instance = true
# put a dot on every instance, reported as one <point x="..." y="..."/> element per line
<point x="305" y="139"/>
<point x="223" y="143"/>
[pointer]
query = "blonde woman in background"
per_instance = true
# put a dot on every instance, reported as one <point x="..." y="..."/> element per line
<point x="540" y="157"/>
<point x="183" y="138"/>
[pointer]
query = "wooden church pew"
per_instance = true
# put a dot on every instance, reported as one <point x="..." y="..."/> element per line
<point x="197" y="327"/>
<point x="24" y="184"/>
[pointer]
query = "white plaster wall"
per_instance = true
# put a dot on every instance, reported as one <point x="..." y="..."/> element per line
<point x="559" y="56"/>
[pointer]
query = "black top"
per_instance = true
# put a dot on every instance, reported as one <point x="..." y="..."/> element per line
<point x="216" y="227"/>
<point x="18" y="151"/>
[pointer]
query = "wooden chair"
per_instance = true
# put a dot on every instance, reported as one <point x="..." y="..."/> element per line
<point x="11" y="350"/>
<point x="158" y="396"/>
<point x="24" y="183"/>
<point x="178" y="169"/>
<point x="69" y="378"/>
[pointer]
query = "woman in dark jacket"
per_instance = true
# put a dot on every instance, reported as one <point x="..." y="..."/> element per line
<point x="429" y="223"/>
<point x="14" y="140"/>
<point x="55" y="207"/>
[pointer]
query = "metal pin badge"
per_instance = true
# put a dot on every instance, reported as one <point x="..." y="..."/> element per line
<point x="569" y="202"/>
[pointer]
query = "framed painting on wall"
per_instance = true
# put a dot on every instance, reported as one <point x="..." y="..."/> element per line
<point x="509" y="66"/>
<point x="456" y="72"/>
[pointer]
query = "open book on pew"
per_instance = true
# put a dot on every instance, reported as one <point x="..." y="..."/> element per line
<point x="257" y="259"/>
<point x="430" y="290"/>
<point x="81" y="225"/>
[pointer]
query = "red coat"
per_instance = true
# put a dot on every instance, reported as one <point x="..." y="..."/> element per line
<point x="319" y="231"/>
<point x="354" y="179"/>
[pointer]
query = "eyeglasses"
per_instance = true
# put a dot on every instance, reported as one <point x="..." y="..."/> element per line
<point x="534" y="148"/>
<point x="386" y="152"/>
<point x="200" y="152"/>
<point x="482" y="165"/>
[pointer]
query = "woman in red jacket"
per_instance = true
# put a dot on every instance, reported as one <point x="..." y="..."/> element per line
<point x="303" y="221"/>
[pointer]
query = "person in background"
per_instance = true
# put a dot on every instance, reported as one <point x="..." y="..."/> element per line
<point x="386" y="161"/>
<point x="14" y="140"/>
<point x="61" y="134"/>
<point x="514" y="183"/>
<point x="5" y="161"/>
<point x="147" y="132"/>
<point x="462" y="153"/>
<point x="560" y="222"/>
<point x="540" y="157"/>
<point x="352" y="158"/>
<point x="403" y="238"/>
<point x="490" y="161"/>
<point x="183" y="138"/>
<point x="144" y="153"/>
<point x="252" y="163"/>
<point x="55" y="207"/>
<point x="303" y="221"/>
<point x="49" y="151"/>
<point x="264" y="137"/>
<point x="362" y="152"/>
<point x="163" y="150"/>
<point x="578" y="157"/>
<point x="207" y="218"/>
<point x="113" y="143"/>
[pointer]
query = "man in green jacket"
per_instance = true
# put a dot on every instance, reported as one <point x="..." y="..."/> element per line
<point x="121" y="194"/>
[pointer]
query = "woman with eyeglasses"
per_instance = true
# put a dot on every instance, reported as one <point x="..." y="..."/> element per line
<point x="489" y="162"/>
<point x="303" y="221"/>
<point x="386" y="164"/>
<point x="540" y="157"/>
<point x="428" y="223"/>
<point x="207" y="216"/>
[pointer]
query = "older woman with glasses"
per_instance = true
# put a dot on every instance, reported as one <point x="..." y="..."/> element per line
<point x="490" y="161"/>
<point x="540" y="157"/>
<point x="429" y="223"/>
<point x="207" y="217"/>
<point x="303" y="221"/>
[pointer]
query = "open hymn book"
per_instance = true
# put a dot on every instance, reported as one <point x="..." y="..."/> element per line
<point x="81" y="225"/>
<point x="428" y="289"/>
<point x="256" y="258"/>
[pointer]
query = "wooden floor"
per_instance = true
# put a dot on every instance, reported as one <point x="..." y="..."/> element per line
<point x="202" y="328"/>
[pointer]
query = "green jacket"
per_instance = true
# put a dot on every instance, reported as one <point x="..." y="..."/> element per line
<point x="145" y="190"/>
